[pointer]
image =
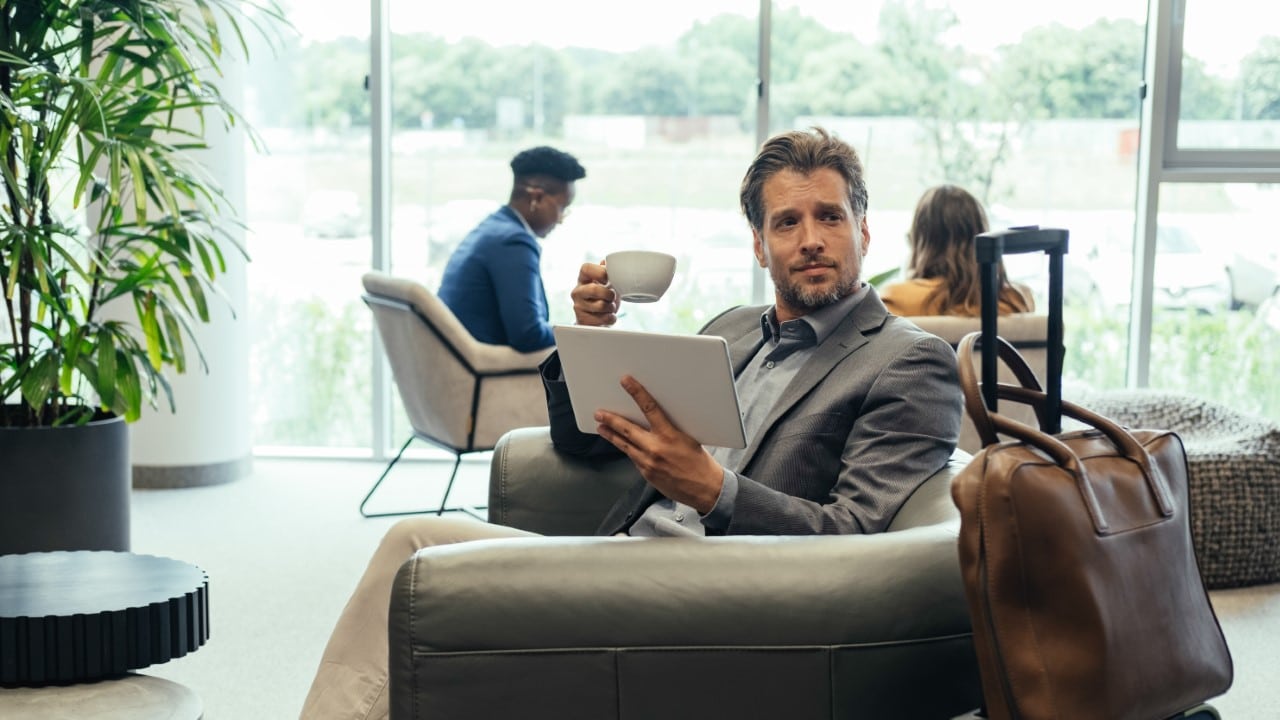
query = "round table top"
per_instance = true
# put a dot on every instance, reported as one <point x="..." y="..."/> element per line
<point x="71" y="583"/>
<point x="75" y="616"/>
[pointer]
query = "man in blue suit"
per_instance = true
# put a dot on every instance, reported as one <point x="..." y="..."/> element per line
<point x="493" y="282"/>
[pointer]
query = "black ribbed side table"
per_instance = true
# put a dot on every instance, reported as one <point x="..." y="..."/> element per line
<point x="78" y="616"/>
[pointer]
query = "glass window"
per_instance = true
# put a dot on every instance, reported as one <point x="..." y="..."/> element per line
<point x="658" y="107"/>
<point x="1216" y="321"/>
<point x="1230" y="95"/>
<point x="308" y="230"/>
<point x="1031" y="107"/>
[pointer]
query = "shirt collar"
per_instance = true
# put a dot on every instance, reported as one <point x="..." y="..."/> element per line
<point x="822" y="321"/>
<point x="520" y="217"/>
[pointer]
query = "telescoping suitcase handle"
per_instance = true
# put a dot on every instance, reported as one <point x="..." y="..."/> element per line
<point x="991" y="247"/>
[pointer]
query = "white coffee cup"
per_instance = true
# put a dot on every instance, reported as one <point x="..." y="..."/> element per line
<point x="640" y="276"/>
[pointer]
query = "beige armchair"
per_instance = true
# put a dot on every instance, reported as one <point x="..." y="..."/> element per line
<point x="459" y="394"/>
<point x="1029" y="335"/>
<point x="591" y="628"/>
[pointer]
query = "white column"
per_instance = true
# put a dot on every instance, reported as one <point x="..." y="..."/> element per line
<point x="207" y="439"/>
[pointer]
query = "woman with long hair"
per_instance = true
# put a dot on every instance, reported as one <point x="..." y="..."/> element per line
<point x="942" y="272"/>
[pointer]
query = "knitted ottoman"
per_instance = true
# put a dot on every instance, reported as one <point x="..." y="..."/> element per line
<point x="1234" y="463"/>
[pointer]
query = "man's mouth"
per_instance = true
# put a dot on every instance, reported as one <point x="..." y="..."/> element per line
<point x="814" y="268"/>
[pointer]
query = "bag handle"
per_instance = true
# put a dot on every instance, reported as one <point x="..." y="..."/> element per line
<point x="974" y="402"/>
<point x="1126" y="444"/>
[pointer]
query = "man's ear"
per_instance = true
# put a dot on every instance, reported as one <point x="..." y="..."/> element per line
<point x="757" y="245"/>
<point x="535" y="195"/>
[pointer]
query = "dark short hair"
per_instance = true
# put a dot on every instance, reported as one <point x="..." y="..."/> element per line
<point x="543" y="160"/>
<point x="803" y="152"/>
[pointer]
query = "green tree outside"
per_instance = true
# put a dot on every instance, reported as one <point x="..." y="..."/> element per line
<point x="1260" y="81"/>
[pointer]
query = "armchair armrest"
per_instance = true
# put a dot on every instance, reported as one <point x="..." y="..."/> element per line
<point x="539" y="593"/>
<point x="741" y="590"/>
<point x="534" y="487"/>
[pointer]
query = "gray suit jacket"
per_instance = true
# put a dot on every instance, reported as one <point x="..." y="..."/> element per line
<point x="872" y="414"/>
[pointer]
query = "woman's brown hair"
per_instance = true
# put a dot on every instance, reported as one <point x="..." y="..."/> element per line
<point x="941" y="238"/>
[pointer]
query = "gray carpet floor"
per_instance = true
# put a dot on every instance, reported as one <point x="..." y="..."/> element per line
<point x="284" y="547"/>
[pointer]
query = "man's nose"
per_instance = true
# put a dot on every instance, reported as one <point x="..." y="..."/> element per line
<point x="811" y="236"/>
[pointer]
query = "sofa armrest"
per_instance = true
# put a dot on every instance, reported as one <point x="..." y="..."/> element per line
<point x="540" y="593"/>
<point x="534" y="487"/>
<point x="931" y="503"/>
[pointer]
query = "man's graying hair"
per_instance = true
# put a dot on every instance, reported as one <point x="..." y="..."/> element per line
<point x="803" y="152"/>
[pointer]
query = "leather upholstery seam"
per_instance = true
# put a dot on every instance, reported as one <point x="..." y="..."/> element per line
<point x="413" y="585"/>
<point x="694" y="648"/>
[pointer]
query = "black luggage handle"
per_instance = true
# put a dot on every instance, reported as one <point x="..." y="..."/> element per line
<point x="990" y="247"/>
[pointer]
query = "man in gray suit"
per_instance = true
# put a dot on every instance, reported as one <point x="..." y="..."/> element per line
<point x="847" y="409"/>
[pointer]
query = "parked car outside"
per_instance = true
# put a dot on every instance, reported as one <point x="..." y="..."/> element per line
<point x="1187" y="277"/>
<point x="1099" y="272"/>
<point x="1080" y="284"/>
<point x="1253" y="274"/>
<point x="1269" y="312"/>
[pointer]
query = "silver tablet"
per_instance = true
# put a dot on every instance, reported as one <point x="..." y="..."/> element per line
<point x="689" y="375"/>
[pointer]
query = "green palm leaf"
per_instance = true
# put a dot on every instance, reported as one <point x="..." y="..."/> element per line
<point x="112" y="96"/>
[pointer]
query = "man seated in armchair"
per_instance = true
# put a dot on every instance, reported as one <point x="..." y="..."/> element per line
<point x="847" y="408"/>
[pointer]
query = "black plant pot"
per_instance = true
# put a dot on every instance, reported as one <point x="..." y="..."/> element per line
<point x="65" y="488"/>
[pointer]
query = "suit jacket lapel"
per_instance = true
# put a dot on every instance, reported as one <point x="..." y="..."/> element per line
<point x="867" y="315"/>
<point x="744" y="348"/>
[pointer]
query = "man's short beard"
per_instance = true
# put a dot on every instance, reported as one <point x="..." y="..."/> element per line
<point x="813" y="298"/>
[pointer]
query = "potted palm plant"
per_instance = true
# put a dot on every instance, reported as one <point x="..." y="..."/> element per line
<point x="112" y="239"/>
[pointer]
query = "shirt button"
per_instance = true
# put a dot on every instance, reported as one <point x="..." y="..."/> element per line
<point x="679" y="517"/>
<point x="769" y="364"/>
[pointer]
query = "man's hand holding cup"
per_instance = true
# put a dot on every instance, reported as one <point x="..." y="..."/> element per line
<point x="631" y="275"/>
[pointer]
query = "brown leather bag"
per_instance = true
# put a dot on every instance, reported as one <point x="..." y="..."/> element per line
<point x="1076" y="553"/>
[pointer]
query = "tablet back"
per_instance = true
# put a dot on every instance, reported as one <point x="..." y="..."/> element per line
<point x="689" y="375"/>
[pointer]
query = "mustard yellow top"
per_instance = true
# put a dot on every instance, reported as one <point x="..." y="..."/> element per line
<point x="911" y="297"/>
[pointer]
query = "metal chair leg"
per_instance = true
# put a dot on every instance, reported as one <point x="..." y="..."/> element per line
<point x="457" y="460"/>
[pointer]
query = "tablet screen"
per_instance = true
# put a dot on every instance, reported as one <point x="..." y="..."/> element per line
<point x="690" y="376"/>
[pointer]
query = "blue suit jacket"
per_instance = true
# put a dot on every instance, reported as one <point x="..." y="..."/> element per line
<point x="493" y="283"/>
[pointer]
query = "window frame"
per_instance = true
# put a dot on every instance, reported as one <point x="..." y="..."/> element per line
<point x="1162" y="161"/>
